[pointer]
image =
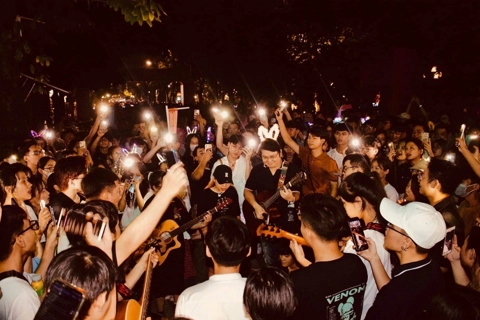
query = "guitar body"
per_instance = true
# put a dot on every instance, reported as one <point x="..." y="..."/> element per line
<point x="128" y="310"/>
<point x="165" y="242"/>
<point x="249" y="212"/>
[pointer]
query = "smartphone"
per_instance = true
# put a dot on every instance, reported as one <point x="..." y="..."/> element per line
<point x="425" y="137"/>
<point x="208" y="146"/>
<point x="82" y="144"/>
<point x="104" y="124"/>
<point x="42" y="204"/>
<point x="172" y="157"/>
<point x="356" y="229"/>
<point x="63" y="301"/>
<point x="196" y="112"/>
<point x="462" y="131"/>
<point x="448" y="242"/>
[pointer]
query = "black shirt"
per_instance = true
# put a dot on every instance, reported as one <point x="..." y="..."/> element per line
<point x="197" y="186"/>
<point x="261" y="179"/>
<point x="59" y="201"/>
<point x="331" y="290"/>
<point x="210" y="199"/>
<point x="409" y="292"/>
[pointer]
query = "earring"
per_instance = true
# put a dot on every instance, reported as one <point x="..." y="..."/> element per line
<point x="404" y="249"/>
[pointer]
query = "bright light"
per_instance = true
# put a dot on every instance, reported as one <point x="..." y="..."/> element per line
<point x="224" y="114"/>
<point x="108" y="95"/>
<point x="355" y="143"/>
<point x="128" y="162"/>
<point x="168" y="138"/>
<point x="12" y="159"/>
<point x="50" y="93"/>
<point x="434" y="69"/>
<point x="103" y="108"/>
<point x="473" y="136"/>
<point x="49" y="134"/>
<point x="215" y="110"/>
<point x="153" y="129"/>
<point x="450" y="157"/>
<point x="148" y="63"/>
<point x="262" y="112"/>
<point x="147" y="115"/>
<point x="252" y="143"/>
<point x="283" y="104"/>
<point x="105" y="123"/>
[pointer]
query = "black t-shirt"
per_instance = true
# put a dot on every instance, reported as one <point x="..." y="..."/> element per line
<point x="197" y="186"/>
<point x="210" y="199"/>
<point x="59" y="201"/>
<point x="331" y="290"/>
<point x="409" y="292"/>
<point x="261" y="179"/>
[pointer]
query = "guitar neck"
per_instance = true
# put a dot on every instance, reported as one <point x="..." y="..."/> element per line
<point x="191" y="223"/>
<point x="146" y="288"/>
<point x="274" y="198"/>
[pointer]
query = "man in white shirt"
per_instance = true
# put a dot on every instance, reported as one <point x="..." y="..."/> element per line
<point x="17" y="243"/>
<point x="221" y="297"/>
<point x="343" y="134"/>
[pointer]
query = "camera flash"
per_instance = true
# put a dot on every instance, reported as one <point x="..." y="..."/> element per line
<point x="355" y="143"/>
<point x="252" y="143"/>
<point x="168" y="138"/>
<point x="224" y="114"/>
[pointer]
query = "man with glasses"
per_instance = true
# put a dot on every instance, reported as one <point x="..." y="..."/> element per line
<point x="17" y="243"/>
<point x="413" y="230"/>
<point x="264" y="178"/>
<point x="31" y="152"/>
<point x="355" y="162"/>
<point x="321" y="169"/>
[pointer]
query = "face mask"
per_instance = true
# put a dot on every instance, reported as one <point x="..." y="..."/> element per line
<point x="193" y="146"/>
<point x="461" y="190"/>
<point x="139" y="151"/>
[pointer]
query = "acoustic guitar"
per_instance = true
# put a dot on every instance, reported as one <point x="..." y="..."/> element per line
<point x="272" y="232"/>
<point x="131" y="309"/>
<point x="268" y="201"/>
<point x="165" y="238"/>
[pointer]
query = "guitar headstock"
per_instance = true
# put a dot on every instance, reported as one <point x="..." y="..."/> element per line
<point x="298" y="178"/>
<point x="223" y="203"/>
<point x="269" y="231"/>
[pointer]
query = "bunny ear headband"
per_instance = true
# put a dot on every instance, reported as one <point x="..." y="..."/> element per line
<point x="161" y="158"/>
<point x="272" y="133"/>
<point x="34" y="134"/>
<point x="190" y="131"/>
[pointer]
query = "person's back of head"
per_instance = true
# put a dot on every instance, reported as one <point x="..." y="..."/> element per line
<point x="325" y="216"/>
<point x="457" y="303"/>
<point x="445" y="173"/>
<point x="11" y="224"/>
<point x="68" y="169"/>
<point x="228" y="241"/>
<point x="98" y="181"/>
<point x="90" y="269"/>
<point x="269" y="294"/>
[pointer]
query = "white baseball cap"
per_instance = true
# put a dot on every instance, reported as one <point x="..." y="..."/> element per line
<point x="422" y="223"/>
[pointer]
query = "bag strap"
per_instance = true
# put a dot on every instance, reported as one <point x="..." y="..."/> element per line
<point x="283" y="175"/>
<point x="12" y="273"/>
<point x="375" y="226"/>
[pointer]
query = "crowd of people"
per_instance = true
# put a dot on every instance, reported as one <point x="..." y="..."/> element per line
<point x="364" y="206"/>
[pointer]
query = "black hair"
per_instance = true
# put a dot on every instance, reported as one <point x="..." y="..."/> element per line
<point x="445" y="173"/>
<point x="384" y="163"/>
<point x="9" y="178"/>
<point x="415" y="187"/>
<point x="236" y="138"/>
<point x="11" y="225"/>
<point x="456" y="303"/>
<point x="86" y="267"/>
<point x="318" y="131"/>
<point x="415" y="141"/>
<point x="342" y="127"/>
<point x="201" y="145"/>
<point x="474" y="243"/>
<point x="228" y="240"/>
<point x="443" y="126"/>
<point x="37" y="185"/>
<point x="189" y="139"/>
<point x="43" y="162"/>
<point x="69" y="168"/>
<point x="269" y="294"/>
<point x="104" y="209"/>
<point x="368" y="187"/>
<point x="25" y="148"/>
<point x="371" y="141"/>
<point x="155" y="178"/>
<point x="269" y="145"/>
<point x="97" y="181"/>
<point x="325" y="216"/>
<point x="357" y="159"/>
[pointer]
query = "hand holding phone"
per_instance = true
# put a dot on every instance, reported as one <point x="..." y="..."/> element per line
<point x="358" y="237"/>
<point x="448" y="242"/>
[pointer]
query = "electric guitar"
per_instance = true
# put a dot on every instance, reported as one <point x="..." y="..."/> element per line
<point x="165" y="238"/>
<point x="131" y="309"/>
<point x="267" y="200"/>
<point x="272" y="232"/>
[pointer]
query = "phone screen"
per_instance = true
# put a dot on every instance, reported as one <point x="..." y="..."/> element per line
<point x="63" y="301"/>
<point x="208" y="146"/>
<point x="448" y="243"/>
<point x="356" y="228"/>
<point x="82" y="144"/>
<point x="425" y="136"/>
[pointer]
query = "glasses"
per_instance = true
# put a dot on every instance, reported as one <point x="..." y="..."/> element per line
<point x="346" y="168"/>
<point x="33" y="225"/>
<point x="37" y="152"/>
<point x="390" y="226"/>
<point x="48" y="168"/>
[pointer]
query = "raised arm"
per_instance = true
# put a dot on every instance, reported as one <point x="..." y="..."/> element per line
<point x="219" y="138"/>
<point x="143" y="225"/>
<point x="283" y="131"/>
<point x="94" y="128"/>
<point x="197" y="174"/>
<point x="371" y="255"/>
<point x="472" y="161"/>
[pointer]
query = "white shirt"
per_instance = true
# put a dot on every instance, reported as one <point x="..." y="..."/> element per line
<point x="18" y="300"/>
<point x="392" y="194"/>
<point x="338" y="157"/>
<point x="371" y="289"/>
<point x="33" y="216"/>
<point x="238" y="176"/>
<point x="219" y="298"/>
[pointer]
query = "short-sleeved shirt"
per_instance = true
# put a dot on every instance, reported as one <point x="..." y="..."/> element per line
<point x="238" y="175"/>
<point x="320" y="171"/>
<point x="18" y="300"/>
<point x="59" y="201"/>
<point x="331" y="289"/>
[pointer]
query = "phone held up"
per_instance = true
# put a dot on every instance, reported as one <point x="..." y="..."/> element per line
<point x="448" y="242"/>
<point x="172" y="157"/>
<point x="358" y="237"/>
<point x="63" y="301"/>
